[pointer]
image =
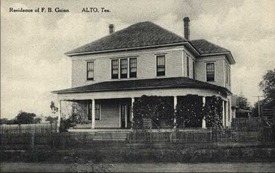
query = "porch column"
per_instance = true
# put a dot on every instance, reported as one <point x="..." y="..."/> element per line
<point x="175" y="108"/>
<point x="203" y="119"/>
<point x="132" y="111"/>
<point x="59" y="116"/>
<point x="93" y="113"/>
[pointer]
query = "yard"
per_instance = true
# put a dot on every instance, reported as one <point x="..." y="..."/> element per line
<point x="144" y="167"/>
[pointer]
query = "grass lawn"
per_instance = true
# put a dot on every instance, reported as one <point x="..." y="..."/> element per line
<point x="144" y="167"/>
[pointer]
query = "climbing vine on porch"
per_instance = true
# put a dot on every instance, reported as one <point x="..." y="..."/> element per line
<point x="189" y="111"/>
<point x="73" y="113"/>
<point x="157" y="109"/>
<point x="213" y="112"/>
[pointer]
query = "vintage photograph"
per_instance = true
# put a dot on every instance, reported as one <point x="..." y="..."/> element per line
<point x="137" y="86"/>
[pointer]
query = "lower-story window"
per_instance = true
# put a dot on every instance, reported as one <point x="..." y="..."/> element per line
<point x="97" y="111"/>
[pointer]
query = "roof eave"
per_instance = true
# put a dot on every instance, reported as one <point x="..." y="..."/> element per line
<point x="142" y="88"/>
<point x="124" y="49"/>
<point x="192" y="48"/>
<point x="227" y="54"/>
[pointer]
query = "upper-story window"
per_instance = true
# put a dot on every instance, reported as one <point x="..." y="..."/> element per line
<point x="133" y="67"/>
<point x="194" y="70"/>
<point x="187" y="66"/>
<point x="210" y="71"/>
<point x="161" y="65"/>
<point x="123" y="68"/>
<point x="227" y="75"/>
<point x="115" y="69"/>
<point x="90" y="70"/>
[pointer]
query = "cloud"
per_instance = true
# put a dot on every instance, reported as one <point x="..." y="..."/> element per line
<point x="33" y="45"/>
<point x="34" y="64"/>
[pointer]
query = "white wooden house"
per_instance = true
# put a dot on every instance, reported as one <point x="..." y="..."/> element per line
<point x="144" y="59"/>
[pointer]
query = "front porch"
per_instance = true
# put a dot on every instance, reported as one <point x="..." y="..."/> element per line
<point x="109" y="105"/>
<point x="116" y="114"/>
<point x="99" y="114"/>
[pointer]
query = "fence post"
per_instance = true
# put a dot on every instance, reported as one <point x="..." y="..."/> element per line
<point x="19" y="126"/>
<point x="32" y="140"/>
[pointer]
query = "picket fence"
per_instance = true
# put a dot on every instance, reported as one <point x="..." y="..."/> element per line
<point x="28" y="128"/>
<point x="26" y="141"/>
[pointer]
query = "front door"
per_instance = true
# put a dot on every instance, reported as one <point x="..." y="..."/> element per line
<point x="125" y="116"/>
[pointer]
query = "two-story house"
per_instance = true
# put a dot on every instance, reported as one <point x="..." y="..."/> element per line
<point x="144" y="59"/>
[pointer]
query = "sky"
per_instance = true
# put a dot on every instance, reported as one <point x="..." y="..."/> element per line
<point x="33" y="44"/>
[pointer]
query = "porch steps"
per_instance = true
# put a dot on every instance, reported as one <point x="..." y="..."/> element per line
<point x="111" y="136"/>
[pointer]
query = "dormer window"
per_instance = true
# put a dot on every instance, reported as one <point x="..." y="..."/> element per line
<point x="160" y="65"/>
<point x="210" y="72"/>
<point x="90" y="70"/>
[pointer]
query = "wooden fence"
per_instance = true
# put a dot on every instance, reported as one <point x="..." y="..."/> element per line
<point x="25" y="141"/>
<point x="203" y="136"/>
<point x="28" y="128"/>
<point x="247" y="124"/>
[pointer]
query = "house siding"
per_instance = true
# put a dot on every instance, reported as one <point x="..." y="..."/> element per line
<point x="175" y="66"/>
<point x="219" y="69"/>
<point x="146" y="65"/>
<point x="110" y="117"/>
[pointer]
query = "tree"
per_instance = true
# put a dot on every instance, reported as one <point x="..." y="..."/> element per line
<point x="36" y="120"/>
<point x="53" y="107"/>
<point x="268" y="85"/>
<point x="25" y="118"/>
<point x="3" y="121"/>
<point x="242" y="102"/>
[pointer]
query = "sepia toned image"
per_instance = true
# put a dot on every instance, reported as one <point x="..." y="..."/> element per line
<point x="137" y="86"/>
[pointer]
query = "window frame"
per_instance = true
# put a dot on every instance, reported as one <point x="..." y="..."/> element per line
<point x="112" y="68"/>
<point x="194" y="70"/>
<point x="99" y="109"/>
<point x="130" y="67"/>
<point x="187" y="66"/>
<point x="158" y="73"/>
<point x="228" y="74"/>
<point x="214" y="72"/>
<point x="90" y="70"/>
<point x="121" y="75"/>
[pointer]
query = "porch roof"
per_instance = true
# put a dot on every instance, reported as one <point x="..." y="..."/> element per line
<point x="143" y="84"/>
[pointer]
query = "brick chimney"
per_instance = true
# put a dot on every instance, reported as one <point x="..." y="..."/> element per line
<point x="186" y="21"/>
<point x="111" y="28"/>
